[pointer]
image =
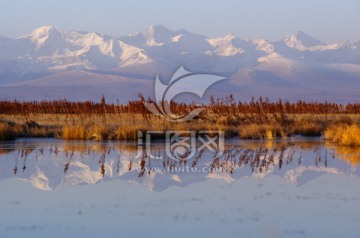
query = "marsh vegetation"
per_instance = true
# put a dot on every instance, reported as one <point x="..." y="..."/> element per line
<point x="257" y="119"/>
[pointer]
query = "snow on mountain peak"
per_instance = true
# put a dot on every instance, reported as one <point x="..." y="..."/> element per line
<point x="154" y="35"/>
<point x="48" y="48"/>
<point x="158" y="29"/>
<point x="92" y="38"/>
<point x="230" y="37"/>
<point x="157" y="35"/>
<point x="222" y="40"/>
<point x="176" y="38"/>
<point x="40" y="35"/>
<point x="46" y="31"/>
<point x="348" y="44"/>
<point x="301" y="41"/>
<point x="264" y="45"/>
<point x="230" y="45"/>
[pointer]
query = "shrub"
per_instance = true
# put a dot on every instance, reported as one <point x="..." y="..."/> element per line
<point x="344" y="134"/>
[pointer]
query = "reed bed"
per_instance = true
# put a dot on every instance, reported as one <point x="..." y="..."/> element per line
<point x="257" y="119"/>
<point x="126" y="126"/>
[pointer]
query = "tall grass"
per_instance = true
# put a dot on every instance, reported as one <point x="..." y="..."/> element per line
<point x="344" y="134"/>
<point x="257" y="119"/>
<point x="98" y="133"/>
<point x="73" y="133"/>
<point x="256" y="131"/>
<point x="125" y="126"/>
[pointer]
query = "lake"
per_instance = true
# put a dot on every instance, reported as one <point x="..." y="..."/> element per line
<point x="300" y="187"/>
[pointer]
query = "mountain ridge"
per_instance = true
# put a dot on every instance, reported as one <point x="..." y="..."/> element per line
<point x="49" y="50"/>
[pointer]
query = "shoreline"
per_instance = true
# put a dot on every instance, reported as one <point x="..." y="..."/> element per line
<point x="125" y="126"/>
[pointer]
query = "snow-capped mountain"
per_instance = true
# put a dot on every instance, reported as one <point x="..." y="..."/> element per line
<point x="49" y="58"/>
<point x="301" y="41"/>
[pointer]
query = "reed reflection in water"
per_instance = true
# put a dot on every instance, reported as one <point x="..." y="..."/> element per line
<point x="90" y="162"/>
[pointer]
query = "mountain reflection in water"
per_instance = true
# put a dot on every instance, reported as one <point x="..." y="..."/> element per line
<point x="50" y="164"/>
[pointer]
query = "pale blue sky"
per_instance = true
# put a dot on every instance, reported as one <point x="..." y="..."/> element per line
<point x="327" y="20"/>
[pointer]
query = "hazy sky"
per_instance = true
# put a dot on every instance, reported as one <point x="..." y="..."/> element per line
<point x="327" y="20"/>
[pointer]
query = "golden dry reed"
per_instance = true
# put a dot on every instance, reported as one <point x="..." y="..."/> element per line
<point x="257" y="119"/>
<point x="344" y="134"/>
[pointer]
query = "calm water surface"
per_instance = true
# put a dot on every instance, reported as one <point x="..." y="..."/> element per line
<point x="297" y="188"/>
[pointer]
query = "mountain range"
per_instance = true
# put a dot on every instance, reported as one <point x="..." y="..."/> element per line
<point x="50" y="63"/>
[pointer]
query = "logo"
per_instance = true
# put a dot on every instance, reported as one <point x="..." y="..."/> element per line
<point x="181" y="145"/>
<point x="182" y="81"/>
